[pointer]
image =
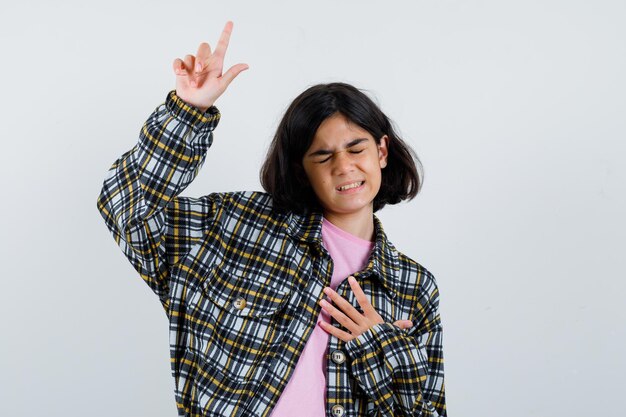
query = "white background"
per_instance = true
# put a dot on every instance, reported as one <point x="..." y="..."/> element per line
<point x="516" y="109"/>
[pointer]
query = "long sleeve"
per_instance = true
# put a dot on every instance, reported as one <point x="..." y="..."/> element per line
<point x="402" y="370"/>
<point x="139" y="199"/>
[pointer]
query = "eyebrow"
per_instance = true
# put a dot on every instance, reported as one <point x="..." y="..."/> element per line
<point x="350" y="144"/>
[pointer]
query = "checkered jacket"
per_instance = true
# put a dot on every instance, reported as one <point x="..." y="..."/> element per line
<point x="240" y="284"/>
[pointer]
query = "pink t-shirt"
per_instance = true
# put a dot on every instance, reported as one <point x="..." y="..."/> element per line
<point x="305" y="393"/>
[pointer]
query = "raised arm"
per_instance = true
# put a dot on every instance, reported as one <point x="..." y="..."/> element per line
<point x="140" y="201"/>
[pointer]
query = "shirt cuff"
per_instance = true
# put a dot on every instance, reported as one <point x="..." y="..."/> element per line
<point x="191" y="115"/>
<point x="369" y="340"/>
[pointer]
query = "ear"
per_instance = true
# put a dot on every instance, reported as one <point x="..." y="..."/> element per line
<point x="383" y="151"/>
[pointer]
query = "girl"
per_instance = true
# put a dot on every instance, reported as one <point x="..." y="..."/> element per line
<point x="291" y="301"/>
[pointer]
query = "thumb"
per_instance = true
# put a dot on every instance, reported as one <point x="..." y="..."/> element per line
<point x="232" y="72"/>
<point x="403" y="324"/>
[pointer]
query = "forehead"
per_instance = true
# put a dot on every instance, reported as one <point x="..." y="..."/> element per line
<point x="337" y="130"/>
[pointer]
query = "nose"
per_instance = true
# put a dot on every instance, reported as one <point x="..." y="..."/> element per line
<point x="342" y="163"/>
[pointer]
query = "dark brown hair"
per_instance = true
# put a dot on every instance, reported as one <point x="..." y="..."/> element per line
<point x="282" y="174"/>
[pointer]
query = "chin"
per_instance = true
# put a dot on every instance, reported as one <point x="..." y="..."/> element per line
<point x="349" y="208"/>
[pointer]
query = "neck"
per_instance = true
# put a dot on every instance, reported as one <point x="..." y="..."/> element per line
<point x="360" y="224"/>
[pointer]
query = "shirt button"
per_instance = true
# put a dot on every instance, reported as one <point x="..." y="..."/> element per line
<point x="338" y="357"/>
<point x="239" y="303"/>
<point x="338" y="410"/>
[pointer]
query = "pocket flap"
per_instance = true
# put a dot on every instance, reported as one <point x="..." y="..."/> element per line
<point x="242" y="294"/>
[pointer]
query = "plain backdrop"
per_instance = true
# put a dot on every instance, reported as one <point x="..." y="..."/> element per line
<point x="516" y="109"/>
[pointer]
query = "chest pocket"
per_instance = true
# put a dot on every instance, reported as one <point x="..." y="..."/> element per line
<point x="239" y="320"/>
<point x="245" y="294"/>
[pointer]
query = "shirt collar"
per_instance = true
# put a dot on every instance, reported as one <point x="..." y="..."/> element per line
<point x="382" y="263"/>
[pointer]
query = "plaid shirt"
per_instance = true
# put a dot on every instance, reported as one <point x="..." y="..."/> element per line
<point x="241" y="285"/>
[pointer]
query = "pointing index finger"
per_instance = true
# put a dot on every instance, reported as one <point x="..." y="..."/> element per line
<point x="222" y="44"/>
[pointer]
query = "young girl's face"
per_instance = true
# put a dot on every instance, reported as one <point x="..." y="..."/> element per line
<point x="343" y="165"/>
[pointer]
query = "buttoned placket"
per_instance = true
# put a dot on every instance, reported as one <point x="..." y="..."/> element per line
<point x="313" y="293"/>
<point x="338" y="364"/>
<point x="336" y="369"/>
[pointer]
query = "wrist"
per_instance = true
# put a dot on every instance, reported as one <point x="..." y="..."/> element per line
<point x="192" y="103"/>
<point x="190" y="113"/>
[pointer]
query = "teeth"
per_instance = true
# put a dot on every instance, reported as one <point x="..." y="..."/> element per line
<point x="349" y="186"/>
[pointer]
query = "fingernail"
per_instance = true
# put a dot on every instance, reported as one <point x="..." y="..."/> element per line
<point x="328" y="291"/>
<point x="198" y="67"/>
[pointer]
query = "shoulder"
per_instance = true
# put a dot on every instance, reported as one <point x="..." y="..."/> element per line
<point x="419" y="283"/>
<point x="411" y="278"/>
<point x="419" y="293"/>
<point x="250" y="201"/>
<point x="411" y="267"/>
<point x="249" y="204"/>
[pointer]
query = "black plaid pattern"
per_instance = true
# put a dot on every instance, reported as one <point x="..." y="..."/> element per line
<point x="241" y="283"/>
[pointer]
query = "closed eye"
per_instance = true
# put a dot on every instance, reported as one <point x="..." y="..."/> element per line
<point x="354" y="151"/>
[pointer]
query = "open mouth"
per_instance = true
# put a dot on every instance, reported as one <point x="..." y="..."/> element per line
<point x="350" y="186"/>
